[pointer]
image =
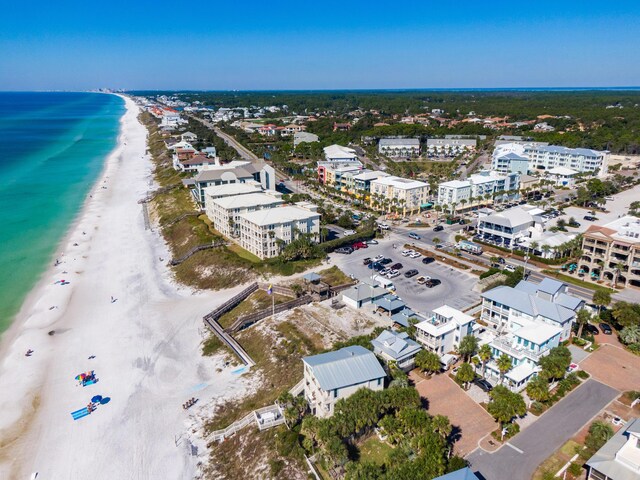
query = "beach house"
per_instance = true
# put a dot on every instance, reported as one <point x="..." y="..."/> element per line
<point x="396" y="347"/>
<point x="619" y="458"/>
<point x="442" y="331"/>
<point x="328" y="377"/>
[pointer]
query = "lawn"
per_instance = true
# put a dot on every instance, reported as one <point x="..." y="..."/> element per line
<point x="374" y="451"/>
<point x="242" y="253"/>
<point x="556" y="461"/>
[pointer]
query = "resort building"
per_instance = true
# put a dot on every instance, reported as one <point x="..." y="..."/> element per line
<point x="619" y="458"/>
<point x="580" y="159"/>
<point x="396" y="347"/>
<point x="510" y="227"/>
<point x="529" y="320"/>
<point x="362" y="181"/>
<point x="408" y="195"/>
<point x="231" y="189"/>
<point x="477" y="189"/>
<point x="442" y="332"/>
<point x="510" y="162"/>
<point x="328" y="377"/>
<point x="266" y="232"/>
<point x="224" y="212"/>
<point x="338" y="153"/>
<point x="612" y="252"/>
<point x="450" y="147"/>
<point x="399" y="147"/>
<point x="562" y="176"/>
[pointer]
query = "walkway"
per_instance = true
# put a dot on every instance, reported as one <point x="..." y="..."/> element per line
<point x="519" y="458"/>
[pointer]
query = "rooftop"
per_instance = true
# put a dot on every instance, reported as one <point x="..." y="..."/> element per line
<point x="401" y="183"/>
<point x="625" y="229"/>
<point x="370" y="175"/>
<point x="232" y="189"/>
<point x="564" y="150"/>
<point x="342" y="368"/>
<point x="612" y="460"/>
<point x="566" y="171"/>
<point x="389" y="142"/>
<point x="248" y="200"/>
<point x="288" y="213"/>
<point x="364" y="291"/>
<point x="396" y="345"/>
<point x="338" y="151"/>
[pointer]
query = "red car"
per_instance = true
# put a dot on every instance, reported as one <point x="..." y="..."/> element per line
<point x="359" y="245"/>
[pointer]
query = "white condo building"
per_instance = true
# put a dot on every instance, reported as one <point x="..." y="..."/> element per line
<point x="224" y="212"/>
<point x="265" y="232"/>
<point x="477" y="189"/>
<point x="408" y="194"/>
<point x="528" y="320"/>
<point x="399" y="147"/>
<point x="442" y="332"/>
<point x="580" y="159"/>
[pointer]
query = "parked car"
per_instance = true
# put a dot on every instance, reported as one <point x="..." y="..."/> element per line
<point x="397" y="266"/>
<point x="393" y="274"/>
<point x="590" y="218"/>
<point x="349" y="232"/>
<point x="432" y="282"/>
<point x="344" y="250"/>
<point x="411" y="273"/>
<point x="438" y="228"/>
<point x="590" y="328"/>
<point x="606" y="328"/>
<point x="359" y="245"/>
<point x="415" y="255"/>
<point x="377" y="266"/>
<point x="372" y="242"/>
<point x="385" y="271"/>
<point x="510" y="268"/>
<point x="377" y="258"/>
<point x="573" y="224"/>
<point x="415" y="236"/>
<point x="421" y="280"/>
<point x="428" y="260"/>
<point x="483" y="384"/>
<point x="386" y="261"/>
<point x="383" y="226"/>
<point x="367" y="261"/>
<point x="406" y="253"/>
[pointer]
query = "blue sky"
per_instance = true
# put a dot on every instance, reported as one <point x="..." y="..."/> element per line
<point x="141" y="44"/>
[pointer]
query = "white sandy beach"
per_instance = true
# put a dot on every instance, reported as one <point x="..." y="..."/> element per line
<point x="146" y="346"/>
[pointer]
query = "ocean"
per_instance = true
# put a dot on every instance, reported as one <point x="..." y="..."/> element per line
<point x="52" y="149"/>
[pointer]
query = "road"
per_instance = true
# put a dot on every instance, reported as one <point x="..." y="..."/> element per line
<point x="455" y="290"/>
<point x="482" y="158"/>
<point x="519" y="459"/>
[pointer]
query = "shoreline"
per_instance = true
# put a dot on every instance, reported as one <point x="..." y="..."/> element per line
<point x="144" y="344"/>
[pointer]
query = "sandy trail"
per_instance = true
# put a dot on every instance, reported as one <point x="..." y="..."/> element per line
<point x="146" y="346"/>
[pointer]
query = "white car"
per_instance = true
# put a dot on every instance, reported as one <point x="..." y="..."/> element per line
<point x="510" y="268"/>
<point x="372" y="242"/>
<point x="393" y="274"/>
<point x="415" y="255"/>
<point x="349" y="232"/>
<point x="377" y="258"/>
<point x="385" y="271"/>
<point x="406" y="253"/>
<point x="383" y="226"/>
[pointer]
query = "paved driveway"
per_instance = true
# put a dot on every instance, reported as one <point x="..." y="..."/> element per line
<point x="614" y="366"/>
<point x="577" y="354"/>
<point x="470" y="420"/>
<point x="455" y="290"/>
<point x="519" y="459"/>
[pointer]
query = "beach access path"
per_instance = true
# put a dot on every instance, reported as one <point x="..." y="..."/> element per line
<point x="122" y="306"/>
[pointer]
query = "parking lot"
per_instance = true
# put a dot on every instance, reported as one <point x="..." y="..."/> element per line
<point x="455" y="289"/>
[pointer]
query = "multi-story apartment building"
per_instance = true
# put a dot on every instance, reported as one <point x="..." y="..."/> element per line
<point x="330" y="376"/>
<point x="399" y="147"/>
<point x="528" y="320"/>
<point x="409" y="195"/>
<point x="580" y="159"/>
<point x="441" y="333"/>
<point x="362" y="181"/>
<point x="477" y="189"/>
<point x="265" y="232"/>
<point x="612" y="252"/>
<point x="450" y="147"/>
<point x="510" y="162"/>
<point x="224" y="212"/>
<point x="510" y="227"/>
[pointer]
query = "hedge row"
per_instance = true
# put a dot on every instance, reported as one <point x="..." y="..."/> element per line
<point x="331" y="245"/>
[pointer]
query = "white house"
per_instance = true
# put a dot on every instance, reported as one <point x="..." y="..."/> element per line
<point x="362" y="294"/>
<point x="189" y="137"/>
<point x="265" y="232"/>
<point x="399" y="147"/>
<point x="563" y="176"/>
<point x="330" y="376"/>
<point x="396" y="347"/>
<point x="450" y="147"/>
<point x="336" y="153"/>
<point x="442" y="332"/>
<point x="510" y="227"/>
<point x="619" y="458"/>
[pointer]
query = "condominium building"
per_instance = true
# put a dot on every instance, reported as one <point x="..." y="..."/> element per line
<point x="619" y="458"/>
<point x="580" y="159"/>
<point x="510" y="227"/>
<point x="612" y="252"/>
<point x="450" y="147"/>
<point x="529" y="320"/>
<point x="477" y="189"/>
<point x="409" y="195"/>
<point x="213" y="175"/>
<point x="224" y="212"/>
<point x="510" y="162"/>
<point x="339" y="160"/>
<point x="337" y="153"/>
<point x="331" y="376"/>
<point x="562" y="176"/>
<point x="399" y="147"/>
<point x="265" y="232"/>
<point x="362" y="180"/>
<point x="441" y="333"/>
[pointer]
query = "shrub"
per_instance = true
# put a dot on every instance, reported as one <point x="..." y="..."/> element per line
<point x="581" y="342"/>
<point x="575" y="469"/>
<point x="582" y="374"/>
<point x="512" y="429"/>
<point x="489" y="272"/>
<point x="537" y="408"/>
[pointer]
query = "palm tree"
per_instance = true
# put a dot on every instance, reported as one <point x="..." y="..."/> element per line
<point x="546" y="249"/>
<point x="582" y="318"/>
<point x="485" y="355"/>
<point x="504" y="364"/>
<point x="538" y="389"/>
<point x="441" y="426"/>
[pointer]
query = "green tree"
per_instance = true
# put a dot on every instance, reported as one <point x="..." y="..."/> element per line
<point x="504" y="364"/>
<point x="626" y="314"/>
<point x="465" y="374"/>
<point x="538" y="389"/>
<point x="485" y="355"/>
<point x="468" y="347"/>
<point x="428" y="361"/>
<point x="582" y="318"/>
<point x="599" y="433"/>
<point x="435" y="240"/>
<point x="601" y="298"/>
<point x="555" y="365"/>
<point x="630" y="335"/>
<point x="505" y="405"/>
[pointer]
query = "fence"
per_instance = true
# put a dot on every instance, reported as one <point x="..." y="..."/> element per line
<point x="220" y="435"/>
<point x="181" y="217"/>
<point x="232" y="302"/>
<point x="280" y="290"/>
<point x="206" y="246"/>
<point x="245" y="320"/>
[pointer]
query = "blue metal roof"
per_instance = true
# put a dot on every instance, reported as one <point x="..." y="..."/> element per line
<point x="462" y="474"/>
<point x="348" y="366"/>
<point x="396" y="345"/>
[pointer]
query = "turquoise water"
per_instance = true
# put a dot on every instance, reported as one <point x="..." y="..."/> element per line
<point x="52" y="149"/>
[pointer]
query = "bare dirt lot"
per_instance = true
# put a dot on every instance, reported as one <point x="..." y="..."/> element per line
<point x="614" y="366"/>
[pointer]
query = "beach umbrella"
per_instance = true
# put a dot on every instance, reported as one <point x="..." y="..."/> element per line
<point x="96" y="398"/>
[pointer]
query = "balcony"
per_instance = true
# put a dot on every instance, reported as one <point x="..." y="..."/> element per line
<point x="505" y="344"/>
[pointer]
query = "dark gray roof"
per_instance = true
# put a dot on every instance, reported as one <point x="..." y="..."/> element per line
<point x="396" y="345"/>
<point x="311" y="277"/>
<point x="390" y="303"/>
<point x="604" y="459"/>
<point x="364" y="291"/>
<point x="348" y="366"/>
<point x="462" y="474"/>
